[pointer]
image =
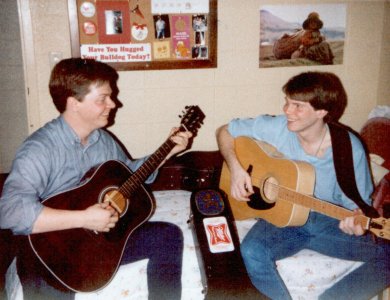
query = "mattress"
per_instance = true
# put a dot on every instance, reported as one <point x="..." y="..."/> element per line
<point x="307" y="274"/>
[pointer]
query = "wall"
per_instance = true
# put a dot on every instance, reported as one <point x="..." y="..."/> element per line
<point x="13" y="115"/>
<point x="153" y="99"/>
<point x="384" y="71"/>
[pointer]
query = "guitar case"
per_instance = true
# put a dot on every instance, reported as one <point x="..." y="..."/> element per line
<point x="224" y="275"/>
<point x="190" y="171"/>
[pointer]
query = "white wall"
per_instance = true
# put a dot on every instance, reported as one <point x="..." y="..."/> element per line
<point x="153" y="99"/>
<point x="13" y="114"/>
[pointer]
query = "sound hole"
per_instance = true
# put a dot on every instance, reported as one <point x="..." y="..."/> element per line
<point x="270" y="190"/>
<point x="257" y="202"/>
<point x="116" y="200"/>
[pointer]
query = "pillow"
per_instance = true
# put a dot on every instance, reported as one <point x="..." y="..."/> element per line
<point x="378" y="171"/>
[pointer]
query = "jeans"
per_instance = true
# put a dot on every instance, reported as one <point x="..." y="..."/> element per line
<point x="161" y="243"/>
<point x="266" y="243"/>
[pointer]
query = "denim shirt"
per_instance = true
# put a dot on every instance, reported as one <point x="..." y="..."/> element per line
<point x="52" y="160"/>
<point x="273" y="130"/>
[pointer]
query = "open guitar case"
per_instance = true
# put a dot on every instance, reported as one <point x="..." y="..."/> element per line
<point x="223" y="272"/>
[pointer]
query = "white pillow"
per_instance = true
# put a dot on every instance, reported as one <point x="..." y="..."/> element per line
<point x="378" y="171"/>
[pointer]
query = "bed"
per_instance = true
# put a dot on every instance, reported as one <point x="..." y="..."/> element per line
<point x="306" y="274"/>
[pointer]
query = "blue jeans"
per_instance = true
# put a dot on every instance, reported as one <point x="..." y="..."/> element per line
<point x="266" y="243"/>
<point x="161" y="243"/>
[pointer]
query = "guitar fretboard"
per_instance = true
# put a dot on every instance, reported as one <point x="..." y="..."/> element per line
<point x="315" y="204"/>
<point x="191" y="120"/>
<point x="143" y="172"/>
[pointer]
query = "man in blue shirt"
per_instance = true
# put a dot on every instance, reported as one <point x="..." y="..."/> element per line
<point x="57" y="156"/>
<point x="313" y="99"/>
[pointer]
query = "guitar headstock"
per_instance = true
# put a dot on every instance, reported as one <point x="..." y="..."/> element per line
<point x="380" y="227"/>
<point x="192" y="118"/>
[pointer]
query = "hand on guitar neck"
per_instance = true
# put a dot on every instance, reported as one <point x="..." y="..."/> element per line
<point x="351" y="225"/>
<point x="181" y="137"/>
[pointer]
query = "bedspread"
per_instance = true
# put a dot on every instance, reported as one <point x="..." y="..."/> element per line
<point x="306" y="274"/>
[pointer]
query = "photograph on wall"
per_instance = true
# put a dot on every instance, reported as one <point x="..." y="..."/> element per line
<point x="127" y="32"/>
<point x="302" y="35"/>
<point x="111" y="19"/>
<point x="162" y="27"/>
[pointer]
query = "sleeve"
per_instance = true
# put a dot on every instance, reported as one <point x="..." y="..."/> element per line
<point x="241" y="127"/>
<point x="20" y="201"/>
<point x="264" y="127"/>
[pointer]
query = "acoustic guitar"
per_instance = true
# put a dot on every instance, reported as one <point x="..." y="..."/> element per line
<point x="283" y="190"/>
<point x="84" y="260"/>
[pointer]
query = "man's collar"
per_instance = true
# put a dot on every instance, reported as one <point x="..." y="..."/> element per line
<point x="71" y="138"/>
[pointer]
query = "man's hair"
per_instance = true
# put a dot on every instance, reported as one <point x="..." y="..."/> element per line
<point x="73" y="77"/>
<point x="322" y="90"/>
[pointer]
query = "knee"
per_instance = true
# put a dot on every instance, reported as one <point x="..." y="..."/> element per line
<point x="176" y="232"/>
<point x="246" y="250"/>
<point x="173" y="236"/>
<point x="251" y="251"/>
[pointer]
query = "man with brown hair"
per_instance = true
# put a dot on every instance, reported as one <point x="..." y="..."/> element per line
<point x="56" y="157"/>
<point x="313" y="100"/>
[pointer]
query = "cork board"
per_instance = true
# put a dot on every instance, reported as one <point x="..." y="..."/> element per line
<point x="145" y="34"/>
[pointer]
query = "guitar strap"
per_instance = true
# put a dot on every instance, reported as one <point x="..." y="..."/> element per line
<point x="343" y="163"/>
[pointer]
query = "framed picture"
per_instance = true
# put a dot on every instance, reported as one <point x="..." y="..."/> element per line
<point x="302" y="35"/>
<point x="145" y="35"/>
<point x="113" y="15"/>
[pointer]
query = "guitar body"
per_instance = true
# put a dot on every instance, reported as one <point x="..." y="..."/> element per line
<point x="266" y="164"/>
<point x="84" y="260"/>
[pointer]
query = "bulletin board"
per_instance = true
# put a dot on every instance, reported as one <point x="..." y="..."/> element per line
<point x="145" y="34"/>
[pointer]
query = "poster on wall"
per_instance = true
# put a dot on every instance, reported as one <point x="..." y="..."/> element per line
<point x="145" y="34"/>
<point x="302" y="35"/>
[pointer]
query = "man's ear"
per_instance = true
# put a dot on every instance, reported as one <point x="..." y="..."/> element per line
<point x="321" y="113"/>
<point x="72" y="104"/>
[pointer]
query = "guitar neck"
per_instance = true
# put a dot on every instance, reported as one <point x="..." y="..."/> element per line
<point x="320" y="206"/>
<point x="153" y="162"/>
<point x="148" y="167"/>
<point x="191" y="120"/>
